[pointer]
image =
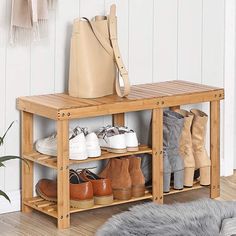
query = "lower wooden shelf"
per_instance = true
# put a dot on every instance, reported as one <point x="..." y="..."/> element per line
<point x="39" y="204"/>
<point x="147" y="195"/>
<point x="196" y="185"/>
<point x="50" y="208"/>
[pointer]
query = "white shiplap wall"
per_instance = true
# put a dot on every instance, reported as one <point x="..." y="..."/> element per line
<point x="159" y="39"/>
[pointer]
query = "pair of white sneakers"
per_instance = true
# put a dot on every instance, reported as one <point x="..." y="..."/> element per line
<point x="117" y="139"/>
<point x="82" y="145"/>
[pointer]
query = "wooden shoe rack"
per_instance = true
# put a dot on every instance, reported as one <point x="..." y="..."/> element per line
<point x="63" y="108"/>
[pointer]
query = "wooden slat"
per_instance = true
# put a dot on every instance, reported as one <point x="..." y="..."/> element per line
<point x="108" y="155"/>
<point x="55" y="102"/>
<point x="50" y="208"/>
<point x="34" y="199"/>
<point x="195" y="186"/>
<point x="64" y="102"/>
<point x="52" y="213"/>
<point x="185" y="99"/>
<point x="40" y="159"/>
<point x="42" y="204"/>
<point x="30" y="106"/>
<point x="27" y="146"/>
<point x="63" y="191"/>
<point x="142" y="104"/>
<point x="115" y="202"/>
<point x="51" y="162"/>
<point x="188" y="83"/>
<point x="215" y="148"/>
<point x="157" y="155"/>
<point x="83" y="100"/>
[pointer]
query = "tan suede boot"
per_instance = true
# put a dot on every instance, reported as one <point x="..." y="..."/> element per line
<point x="106" y="172"/>
<point x="202" y="160"/>
<point x="121" y="181"/>
<point x="137" y="178"/>
<point x="186" y="149"/>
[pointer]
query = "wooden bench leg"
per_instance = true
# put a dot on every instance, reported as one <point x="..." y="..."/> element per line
<point x="157" y="155"/>
<point x="63" y="191"/>
<point x="118" y="119"/>
<point x="26" y="147"/>
<point x="215" y="148"/>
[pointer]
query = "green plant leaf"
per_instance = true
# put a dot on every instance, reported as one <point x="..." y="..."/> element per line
<point x="3" y="137"/>
<point x="8" y="158"/>
<point x="4" y="195"/>
<point x="2" y="165"/>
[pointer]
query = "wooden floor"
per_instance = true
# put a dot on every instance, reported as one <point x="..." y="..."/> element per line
<point x="86" y="223"/>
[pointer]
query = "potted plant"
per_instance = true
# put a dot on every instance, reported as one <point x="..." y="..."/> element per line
<point x="6" y="158"/>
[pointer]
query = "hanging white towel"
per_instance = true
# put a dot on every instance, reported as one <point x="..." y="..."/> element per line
<point x="29" y="19"/>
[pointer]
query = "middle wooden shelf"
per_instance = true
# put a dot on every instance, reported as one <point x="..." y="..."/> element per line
<point x="51" y="161"/>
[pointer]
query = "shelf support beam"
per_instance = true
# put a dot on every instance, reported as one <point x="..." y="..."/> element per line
<point x="63" y="191"/>
<point x="174" y="108"/>
<point x="157" y="155"/>
<point x="118" y="119"/>
<point x="215" y="148"/>
<point x="27" y="169"/>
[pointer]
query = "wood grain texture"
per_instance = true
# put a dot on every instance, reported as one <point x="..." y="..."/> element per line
<point x="63" y="192"/>
<point x="86" y="224"/>
<point x="118" y="119"/>
<point x="142" y="97"/>
<point x="51" y="162"/>
<point x="215" y="148"/>
<point x="157" y="155"/>
<point x="27" y="169"/>
<point x="18" y="68"/>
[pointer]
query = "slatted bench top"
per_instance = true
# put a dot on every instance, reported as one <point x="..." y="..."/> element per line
<point x="142" y="97"/>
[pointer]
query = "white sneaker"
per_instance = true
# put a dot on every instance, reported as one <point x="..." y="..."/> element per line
<point x="92" y="145"/>
<point x="111" y="141"/>
<point x="131" y="139"/>
<point x="77" y="144"/>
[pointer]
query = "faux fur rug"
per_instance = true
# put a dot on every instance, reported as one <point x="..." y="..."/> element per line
<point x="199" y="218"/>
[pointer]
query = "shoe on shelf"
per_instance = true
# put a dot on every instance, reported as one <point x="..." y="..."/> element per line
<point x="131" y="139"/>
<point x="77" y="144"/>
<point x="47" y="189"/>
<point x="137" y="177"/>
<point x="172" y="129"/>
<point x="102" y="189"/>
<point x="202" y="160"/>
<point x="111" y="140"/>
<point x="186" y="148"/>
<point x="117" y="170"/>
<point x="92" y="145"/>
<point x="81" y="191"/>
<point x="81" y="147"/>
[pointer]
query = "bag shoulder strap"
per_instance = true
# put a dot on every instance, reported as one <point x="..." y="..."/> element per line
<point x="112" y="23"/>
<point x="100" y="38"/>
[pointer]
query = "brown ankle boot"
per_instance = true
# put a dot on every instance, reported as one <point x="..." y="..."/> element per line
<point x="136" y="175"/>
<point x="121" y="181"/>
<point x="106" y="172"/>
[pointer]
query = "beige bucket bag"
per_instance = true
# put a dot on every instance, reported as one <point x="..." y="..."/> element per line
<point x="95" y="57"/>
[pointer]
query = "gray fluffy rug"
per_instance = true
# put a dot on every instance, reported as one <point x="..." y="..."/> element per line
<point x="199" y="218"/>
